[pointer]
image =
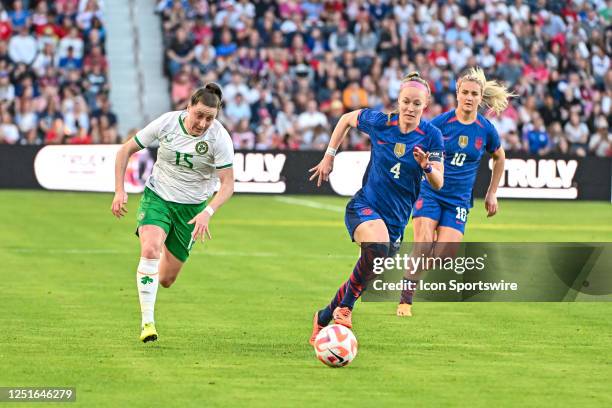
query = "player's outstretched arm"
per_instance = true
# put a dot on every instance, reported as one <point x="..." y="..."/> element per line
<point x="321" y="171"/>
<point x="226" y="190"/>
<point x="434" y="170"/>
<point x="121" y="160"/>
<point x="499" y="160"/>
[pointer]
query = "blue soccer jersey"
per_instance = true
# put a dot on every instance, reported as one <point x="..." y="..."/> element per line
<point x="464" y="146"/>
<point x="392" y="180"/>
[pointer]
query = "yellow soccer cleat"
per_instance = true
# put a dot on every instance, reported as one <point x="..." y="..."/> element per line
<point x="404" y="309"/>
<point x="148" y="333"/>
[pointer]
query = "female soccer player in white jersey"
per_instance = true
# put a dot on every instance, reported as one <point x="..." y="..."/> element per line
<point x="194" y="151"/>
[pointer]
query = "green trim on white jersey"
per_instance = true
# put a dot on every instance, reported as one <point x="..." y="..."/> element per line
<point x="183" y="126"/>
<point x="138" y="142"/>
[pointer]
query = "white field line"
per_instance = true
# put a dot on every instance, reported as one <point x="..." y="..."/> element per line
<point x="275" y="223"/>
<point x="470" y="225"/>
<point x="100" y="251"/>
<point x="272" y="223"/>
<point x="310" y="203"/>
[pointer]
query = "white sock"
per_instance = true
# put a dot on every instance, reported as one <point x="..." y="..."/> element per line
<point x="147" y="281"/>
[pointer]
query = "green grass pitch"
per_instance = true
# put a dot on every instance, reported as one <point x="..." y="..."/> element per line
<point x="234" y="327"/>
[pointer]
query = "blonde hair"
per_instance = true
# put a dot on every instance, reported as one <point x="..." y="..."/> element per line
<point x="494" y="95"/>
<point x="413" y="76"/>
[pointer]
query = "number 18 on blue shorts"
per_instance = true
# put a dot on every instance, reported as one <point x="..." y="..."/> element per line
<point x="446" y="214"/>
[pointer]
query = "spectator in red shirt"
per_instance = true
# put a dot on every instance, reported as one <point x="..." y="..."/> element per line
<point x="438" y="56"/>
<point x="6" y="29"/>
<point x="81" y="137"/>
<point x="64" y="26"/>
<point x="200" y="30"/>
<point x="96" y="58"/>
<point x="536" y="70"/>
<point x="56" y="133"/>
<point x="41" y="15"/>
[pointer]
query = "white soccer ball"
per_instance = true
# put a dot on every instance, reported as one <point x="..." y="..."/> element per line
<point x="335" y="345"/>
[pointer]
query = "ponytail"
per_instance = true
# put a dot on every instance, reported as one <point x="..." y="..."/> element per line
<point x="494" y="95"/>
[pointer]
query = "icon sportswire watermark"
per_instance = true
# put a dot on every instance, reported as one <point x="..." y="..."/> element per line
<point x="476" y="271"/>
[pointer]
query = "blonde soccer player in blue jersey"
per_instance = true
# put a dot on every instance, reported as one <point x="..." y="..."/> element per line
<point x="195" y="152"/>
<point x="440" y="215"/>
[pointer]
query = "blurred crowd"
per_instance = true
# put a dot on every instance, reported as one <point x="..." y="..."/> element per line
<point x="289" y="69"/>
<point x="53" y="73"/>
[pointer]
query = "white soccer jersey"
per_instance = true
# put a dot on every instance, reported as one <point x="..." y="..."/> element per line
<point x="186" y="167"/>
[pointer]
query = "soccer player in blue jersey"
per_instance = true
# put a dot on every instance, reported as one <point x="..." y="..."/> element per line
<point x="404" y="148"/>
<point x="440" y="215"/>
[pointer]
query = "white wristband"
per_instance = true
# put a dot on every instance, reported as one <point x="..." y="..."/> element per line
<point x="331" y="151"/>
<point x="209" y="210"/>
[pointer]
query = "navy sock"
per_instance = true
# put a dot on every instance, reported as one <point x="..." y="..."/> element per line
<point x="363" y="272"/>
<point x="407" y="293"/>
<point x="350" y="291"/>
<point x="325" y="314"/>
<point x="354" y="286"/>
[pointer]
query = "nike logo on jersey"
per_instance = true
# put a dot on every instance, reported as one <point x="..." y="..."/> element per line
<point x="380" y="142"/>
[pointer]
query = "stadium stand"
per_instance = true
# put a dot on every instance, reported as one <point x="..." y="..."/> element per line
<point x="291" y="68"/>
<point x="53" y="73"/>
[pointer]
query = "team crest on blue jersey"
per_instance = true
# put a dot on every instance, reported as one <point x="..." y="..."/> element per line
<point x="463" y="141"/>
<point x="399" y="150"/>
<point x="201" y="147"/>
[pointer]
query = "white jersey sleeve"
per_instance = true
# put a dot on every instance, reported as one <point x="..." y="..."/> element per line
<point x="151" y="132"/>
<point x="224" y="150"/>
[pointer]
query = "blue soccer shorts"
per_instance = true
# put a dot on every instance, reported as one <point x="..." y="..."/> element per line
<point x="359" y="211"/>
<point x="446" y="214"/>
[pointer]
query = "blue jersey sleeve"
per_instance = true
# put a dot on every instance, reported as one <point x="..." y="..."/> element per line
<point x="493" y="142"/>
<point x="369" y="121"/>
<point x="436" y="144"/>
<point x="440" y="120"/>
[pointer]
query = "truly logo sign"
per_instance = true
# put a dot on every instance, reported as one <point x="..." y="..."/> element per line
<point x="259" y="172"/>
<point x="538" y="179"/>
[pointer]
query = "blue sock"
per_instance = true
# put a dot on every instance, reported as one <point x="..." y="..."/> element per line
<point x="325" y="315"/>
<point x="349" y="292"/>
<point x="407" y="294"/>
<point x="354" y="286"/>
<point x="363" y="272"/>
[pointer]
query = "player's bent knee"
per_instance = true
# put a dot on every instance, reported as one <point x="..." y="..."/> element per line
<point x="166" y="282"/>
<point x="150" y="252"/>
<point x="168" y="272"/>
